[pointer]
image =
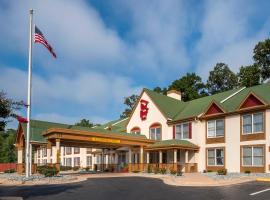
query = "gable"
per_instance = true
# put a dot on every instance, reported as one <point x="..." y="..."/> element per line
<point x="214" y="109"/>
<point x="251" y="101"/>
<point x="145" y="113"/>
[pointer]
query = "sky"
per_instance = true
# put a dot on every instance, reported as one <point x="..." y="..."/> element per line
<point x="109" y="49"/>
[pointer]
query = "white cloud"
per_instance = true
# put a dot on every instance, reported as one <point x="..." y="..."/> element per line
<point x="97" y="91"/>
<point x="225" y="29"/>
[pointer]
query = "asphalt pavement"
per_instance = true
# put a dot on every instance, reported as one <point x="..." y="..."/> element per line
<point x="136" y="188"/>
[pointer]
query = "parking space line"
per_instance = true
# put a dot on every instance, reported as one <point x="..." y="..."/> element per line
<point x="261" y="191"/>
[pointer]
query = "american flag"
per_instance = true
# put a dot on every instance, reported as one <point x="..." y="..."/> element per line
<point x="39" y="38"/>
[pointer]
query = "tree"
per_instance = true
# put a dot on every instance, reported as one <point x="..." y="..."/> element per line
<point x="221" y="79"/>
<point x="161" y="91"/>
<point x="262" y="58"/>
<point x="129" y="102"/>
<point x="190" y="86"/>
<point x="249" y="75"/>
<point x="84" y="123"/>
<point x="7" y="148"/>
<point x="7" y="108"/>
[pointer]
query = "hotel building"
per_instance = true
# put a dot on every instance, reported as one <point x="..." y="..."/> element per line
<point x="229" y="130"/>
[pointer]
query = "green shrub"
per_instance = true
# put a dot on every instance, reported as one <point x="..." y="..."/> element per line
<point x="173" y="171"/>
<point x="247" y="172"/>
<point x="65" y="168"/>
<point x="10" y="171"/>
<point x="163" y="170"/>
<point x="222" y="172"/>
<point x="76" y="168"/>
<point x="204" y="171"/>
<point x="47" y="171"/>
<point x="136" y="171"/>
<point x="209" y="170"/>
<point x="156" y="170"/>
<point x="179" y="172"/>
<point x="87" y="169"/>
<point x="149" y="169"/>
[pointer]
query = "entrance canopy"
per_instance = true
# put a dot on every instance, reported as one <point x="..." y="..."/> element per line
<point x="97" y="138"/>
<point x="172" y="144"/>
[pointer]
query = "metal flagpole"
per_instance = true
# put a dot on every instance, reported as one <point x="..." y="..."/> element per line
<point x="27" y="155"/>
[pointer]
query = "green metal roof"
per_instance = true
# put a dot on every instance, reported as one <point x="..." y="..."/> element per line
<point x="167" y="105"/>
<point x="173" y="143"/>
<point x="115" y="125"/>
<point x="38" y="127"/>
<point x="179" y="110"/>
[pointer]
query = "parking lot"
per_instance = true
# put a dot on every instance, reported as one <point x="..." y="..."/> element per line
<point x="117" y="188"/>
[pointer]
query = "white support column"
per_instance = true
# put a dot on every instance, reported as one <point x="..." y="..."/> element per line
<point x="186" y="156"/>
<point x="141" y="158"/>
<point x="58" y="154"/>
<point x="175" y="156"/>
<point x="147" y="157"/>
<point x="160" y="156"/>
<point x="20" y="156"/>
<point x="129" y="156"/>
<point x="129" y="159"/>
<point x="116" y="158"/>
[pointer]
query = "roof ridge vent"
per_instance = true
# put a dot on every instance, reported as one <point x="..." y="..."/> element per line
<point x="119" y="121"/>
<point x="232" y="95"/>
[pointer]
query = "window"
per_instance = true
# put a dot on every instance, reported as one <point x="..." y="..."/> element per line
<point x="98" y="159"/>
<point x="253" y="123"/>
<point x="182" y="131"/>
<point x="68" y="162"/>
<point x="215" y="128"/>
<point x="89" y="160"/>
<point x="253" y="156"/>
<point x="44" y="152"/>
<point x="76" y="161"/>
<point x="155" y="133"/>
<point x="136" y="130"/>
<point x="215" y="157"/>
<point x="76" y="150"/>
<point x="68" y="150"/>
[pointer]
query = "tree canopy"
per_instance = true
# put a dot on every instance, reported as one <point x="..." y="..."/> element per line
<point x="249" y="75"/>
<point x="129" y="102"/>
<point x="7" y="109"/>
<point x="161" y="91"/>
<point x="221" y="79"/>
<point x="7" y="148"/>
<point x="262" y="58"/>
<point x="86" y="123"/>
<point x="190" y="86"/>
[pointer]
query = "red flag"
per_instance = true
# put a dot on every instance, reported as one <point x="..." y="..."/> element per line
<point x="21" y="119"/>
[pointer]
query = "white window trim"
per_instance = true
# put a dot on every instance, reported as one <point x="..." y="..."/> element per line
<point x="215" y="136"/>
<point x="252" y="125"/>
<point x="215" y="149"/>
<point x="182" y="131"/>
<point x="156" y="133"/>
<point x="252" y="157"/>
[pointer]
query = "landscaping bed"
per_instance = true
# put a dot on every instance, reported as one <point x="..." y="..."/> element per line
<point x="230" y="176"/>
